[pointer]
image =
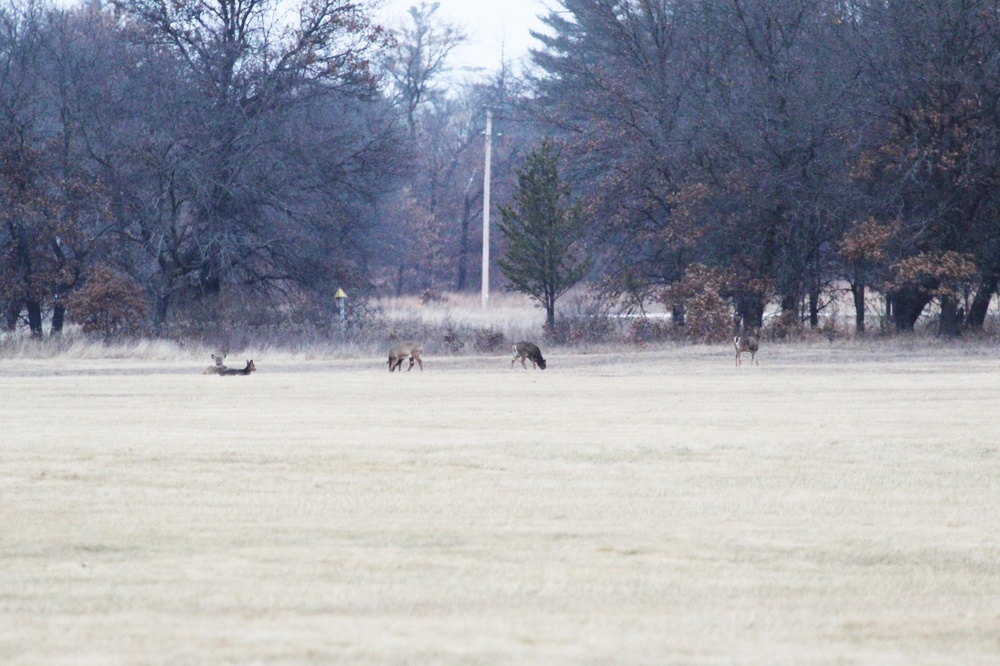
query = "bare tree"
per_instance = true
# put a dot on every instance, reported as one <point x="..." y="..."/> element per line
<point x="613" y="85"/>
<point x="429" y="222"/>
<point x="51" y="207"/>
<point x="706" y="132"/>
<point x="929" y="162"/>
<point x="419" y="59"/>
<point x="269" y="143"/>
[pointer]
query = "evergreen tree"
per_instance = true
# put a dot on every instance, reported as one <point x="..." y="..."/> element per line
<point x="542" y="229"/>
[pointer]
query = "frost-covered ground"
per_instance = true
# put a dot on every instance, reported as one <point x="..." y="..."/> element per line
<point x="838" y="504"/>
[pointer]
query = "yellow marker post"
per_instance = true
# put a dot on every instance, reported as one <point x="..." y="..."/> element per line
<point x="341" y="298"/>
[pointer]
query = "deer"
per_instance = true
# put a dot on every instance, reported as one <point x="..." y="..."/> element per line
<point x="218" y="368"/>
<point x="529" y="351"/>
<point x="401" y="352"/>
<point x="230" y="372"/>
<point x="747" y="342"/>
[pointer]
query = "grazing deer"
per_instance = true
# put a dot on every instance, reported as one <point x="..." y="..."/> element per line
<point x="229" y="372"/>
<point x="400" y="352"/>
<point x="747" y="342"/>
<point x="216" y="369"/>
<point x="530" y="351"/>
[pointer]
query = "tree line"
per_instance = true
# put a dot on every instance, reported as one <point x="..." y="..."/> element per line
<point x="158" y="158"/>
<point x="770" y="150"/>
<point x="160" y="152"/>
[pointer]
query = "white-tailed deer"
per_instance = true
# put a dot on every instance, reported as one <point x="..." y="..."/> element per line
<point x="747" y="342"/>
<point x="218" y="368"/>
<point x="529" y="351"/>
<point x="401" y="352"/>
<point x="229" y="372"/>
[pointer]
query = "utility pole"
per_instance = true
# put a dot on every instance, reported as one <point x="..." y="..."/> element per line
<point x="486" y="209"/>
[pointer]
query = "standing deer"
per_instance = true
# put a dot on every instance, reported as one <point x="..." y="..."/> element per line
<point x="218" y="368"/>
<point x="400" y="352"/>
<point x="530" y="351"/>
<point x="229" y="372"/>
<point x="747" y="342"/>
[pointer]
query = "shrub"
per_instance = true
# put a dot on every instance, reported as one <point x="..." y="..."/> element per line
<point x="785" y="325"/>
<point x="453" y="339"/>
<point x="108" y="303"/>
<point x="490" y="340"/>
<point x="643" y="330"/>
<point x="708" y="318"/>
<point x="430" y="296"/>
<point x="584" y="329"/>
<point x="707" y="315"/>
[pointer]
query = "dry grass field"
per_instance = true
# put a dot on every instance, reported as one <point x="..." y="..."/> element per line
<point x="836" y="505"/>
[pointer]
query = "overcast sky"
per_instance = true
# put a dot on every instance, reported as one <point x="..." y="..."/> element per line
<point x="497" y="28"/>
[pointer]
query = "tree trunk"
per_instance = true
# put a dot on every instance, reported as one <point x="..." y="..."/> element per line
<point x="814" y="308"/>
<point x="463" y="246"/>
<point x="58" y="317"/>
<point x="210" y="274"/>
<point x="677" y="315"/>
<point x="11" y="312"/>
<point x="981" y="301"/>
<point x="399" y="280"/>
<point x="948" y="319"/>
<point x="858" y="292"/>
<point x="34" y="318"/>
<point x="161" y="306"/>
<point x="907" y="304"/>
<point x="550" y="317"/>
<point x="750" y="311"/>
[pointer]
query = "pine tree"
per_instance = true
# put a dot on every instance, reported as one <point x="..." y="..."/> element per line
<point x="543" y="230"/>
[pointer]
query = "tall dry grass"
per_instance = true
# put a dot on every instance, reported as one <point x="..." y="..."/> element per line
<point x="452" y="324"/>
<point x="456" y="316"/>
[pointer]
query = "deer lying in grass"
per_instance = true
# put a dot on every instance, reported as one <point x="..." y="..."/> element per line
<point x="530" y="351"/>
<point x="229" y="372"/>
<point x="747" y="342"/>
<point x="401" y="352"/>
<point x="218" y="368"/>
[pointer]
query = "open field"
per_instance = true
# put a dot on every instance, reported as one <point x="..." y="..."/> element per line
<point x="836" y="505"/>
